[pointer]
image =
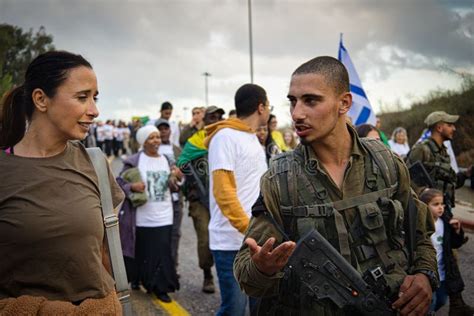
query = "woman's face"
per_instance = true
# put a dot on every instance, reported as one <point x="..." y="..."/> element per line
<point x="73" y="108"/>
<point x="373" y="134"/>
<point x="273" y="124"/>
<point x="262" y="134"/>
<point x="288" y="137"/>
<point x="152" y="144"/>
<point x="400" y="137"/>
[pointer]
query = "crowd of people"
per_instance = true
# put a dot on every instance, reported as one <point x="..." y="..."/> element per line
<point x="252" y="190"/>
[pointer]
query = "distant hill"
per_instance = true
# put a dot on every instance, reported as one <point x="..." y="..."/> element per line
<point x="460" y="103"/>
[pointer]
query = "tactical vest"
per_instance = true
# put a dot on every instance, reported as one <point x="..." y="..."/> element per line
<point x="374" y="239"/>
<point x="440" y="170"/>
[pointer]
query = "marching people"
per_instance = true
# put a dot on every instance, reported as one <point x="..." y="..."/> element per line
<point x="320" y="185"/>
<point x="146" y="227"/>
<point x="51" y="226"/>
<point x="236" y="162"/>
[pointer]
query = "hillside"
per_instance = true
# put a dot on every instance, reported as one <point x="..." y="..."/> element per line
<point x="460" y="103"/>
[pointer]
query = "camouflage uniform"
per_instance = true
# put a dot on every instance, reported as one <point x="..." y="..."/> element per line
<point x="349" y="230"/>
<point x="436" y="160"/>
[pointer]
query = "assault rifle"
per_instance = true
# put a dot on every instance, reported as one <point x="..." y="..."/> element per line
<point x="325" y="274"/>
<point x="419" y="175"/>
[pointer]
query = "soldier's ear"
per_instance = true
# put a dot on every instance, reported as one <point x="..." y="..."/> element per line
<point x="345" y="103"/>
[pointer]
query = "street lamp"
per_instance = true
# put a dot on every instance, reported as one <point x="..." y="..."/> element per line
<point x="206" y="75"/>
<point x="250" y="40"/>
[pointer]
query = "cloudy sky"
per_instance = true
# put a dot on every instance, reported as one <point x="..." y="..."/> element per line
<point x="149" y="51"/>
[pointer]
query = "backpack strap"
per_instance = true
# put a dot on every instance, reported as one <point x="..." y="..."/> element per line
<point x="111" y="229"/>
<point x="292" y="169"/>
<point x="384" y="160"/>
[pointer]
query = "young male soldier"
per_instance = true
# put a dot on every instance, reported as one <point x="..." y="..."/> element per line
<point x="435" y="158"/>
<point x="236" y="163"/>
<point x="333" y="165"/>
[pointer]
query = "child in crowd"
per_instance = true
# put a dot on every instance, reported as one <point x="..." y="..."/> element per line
<point x="448" y="236"/>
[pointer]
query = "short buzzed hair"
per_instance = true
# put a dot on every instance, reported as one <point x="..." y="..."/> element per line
<point x="247" y="99"/>
<point x="329" y="67"/>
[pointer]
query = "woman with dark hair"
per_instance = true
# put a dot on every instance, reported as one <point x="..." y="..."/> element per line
<point x="51" y="225"/>
<point x="265" y="138"/>
<point x="276" y="135"/>
<point x="368" y="130"/>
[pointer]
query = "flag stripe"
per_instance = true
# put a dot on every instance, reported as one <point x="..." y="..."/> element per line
<point x="358" y="90"/>
<point x="361" y="112"/>
<point x="363" y="116"/>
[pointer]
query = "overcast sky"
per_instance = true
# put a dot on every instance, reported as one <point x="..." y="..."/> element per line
<point x="147" y="52"/>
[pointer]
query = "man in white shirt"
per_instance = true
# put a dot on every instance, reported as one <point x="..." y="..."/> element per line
<point x="236" y="163"/>
<point x="165" y="113"/>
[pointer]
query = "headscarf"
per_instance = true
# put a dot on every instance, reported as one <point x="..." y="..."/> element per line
<point x="144" y="132"/>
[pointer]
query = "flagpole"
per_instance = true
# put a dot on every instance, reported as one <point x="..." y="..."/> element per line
<point x="250" y="40"/>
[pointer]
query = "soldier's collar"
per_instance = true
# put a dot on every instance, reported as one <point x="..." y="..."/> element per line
<point x="357" y="148"/>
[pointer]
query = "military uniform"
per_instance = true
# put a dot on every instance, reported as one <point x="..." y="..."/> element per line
<point x="436" y="160"/>
<point x="367" y="234"/>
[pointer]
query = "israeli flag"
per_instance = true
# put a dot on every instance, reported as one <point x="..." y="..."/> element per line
<point x="361" y="112"/>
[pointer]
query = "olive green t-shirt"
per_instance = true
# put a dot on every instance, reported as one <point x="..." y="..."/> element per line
<point x="51" y="227"/>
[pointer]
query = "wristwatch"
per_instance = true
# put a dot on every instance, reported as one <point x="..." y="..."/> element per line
<point x="432" y="277"/>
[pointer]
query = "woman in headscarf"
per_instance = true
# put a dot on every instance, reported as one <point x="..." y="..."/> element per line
<point x="146" y="224"/>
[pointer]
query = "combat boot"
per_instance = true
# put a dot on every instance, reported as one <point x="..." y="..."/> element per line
<point x="457" y="306"/>
<point x="208" y="284"/>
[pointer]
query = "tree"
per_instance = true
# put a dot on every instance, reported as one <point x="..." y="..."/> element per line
<point x="17" y="50"/>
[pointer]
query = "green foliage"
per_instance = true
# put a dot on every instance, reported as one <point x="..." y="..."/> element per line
<point x="460" y="103"/>
<point x="17" y="49"/>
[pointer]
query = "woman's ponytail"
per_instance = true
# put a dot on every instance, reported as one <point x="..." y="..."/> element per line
<point x="13" y="117"/>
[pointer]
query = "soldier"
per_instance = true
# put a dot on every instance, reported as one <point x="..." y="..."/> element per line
<point x="298" y="193"/>
<point x="435" y="158"/>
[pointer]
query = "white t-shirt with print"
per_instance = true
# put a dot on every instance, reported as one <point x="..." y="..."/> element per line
<point x="158" y="210"/>
<point x="241" y="153"/>
<point x="437" y="241"/>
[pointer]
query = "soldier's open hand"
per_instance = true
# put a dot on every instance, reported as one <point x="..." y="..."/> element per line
<point x="414" y="296"/>
<point x="268" y="260"/>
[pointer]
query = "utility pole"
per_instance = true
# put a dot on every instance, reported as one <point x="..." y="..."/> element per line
<point x="206" y="75"/>
<point x="250" y="40"/>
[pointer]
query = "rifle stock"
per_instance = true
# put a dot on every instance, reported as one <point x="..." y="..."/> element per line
<point x="325" y="274"/>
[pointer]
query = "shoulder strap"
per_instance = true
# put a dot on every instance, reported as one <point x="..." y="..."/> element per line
<point x="111" y="229"/>
<point x="432" y="146"/>
<point x="384" y="159"/>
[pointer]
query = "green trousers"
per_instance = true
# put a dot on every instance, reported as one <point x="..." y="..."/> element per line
<point x="201" y="217"/>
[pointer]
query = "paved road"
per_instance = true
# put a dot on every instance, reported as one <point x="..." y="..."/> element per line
<point x="195" y="302"/>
